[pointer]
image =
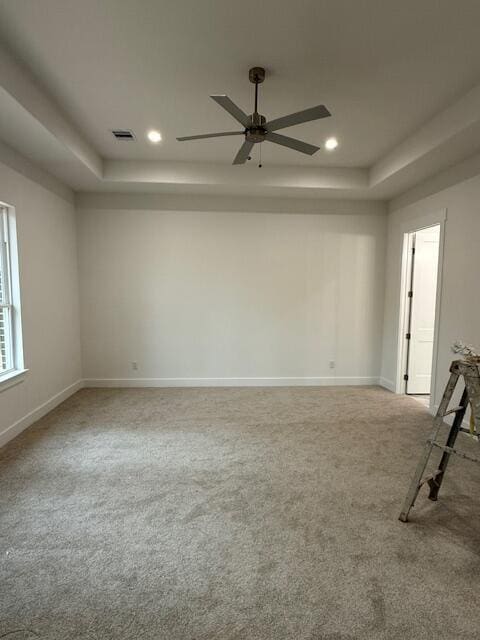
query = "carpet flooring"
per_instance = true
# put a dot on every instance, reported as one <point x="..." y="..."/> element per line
<point x="234" y="514"/>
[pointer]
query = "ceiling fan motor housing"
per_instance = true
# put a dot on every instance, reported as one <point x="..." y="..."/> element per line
<point x="255" y="131"/>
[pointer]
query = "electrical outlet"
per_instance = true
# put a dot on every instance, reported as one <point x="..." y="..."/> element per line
<point x="135" y="366"/>
<point x="332" y="364"/>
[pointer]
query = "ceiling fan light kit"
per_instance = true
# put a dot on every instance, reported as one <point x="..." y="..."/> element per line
<point x="258" y="129"/>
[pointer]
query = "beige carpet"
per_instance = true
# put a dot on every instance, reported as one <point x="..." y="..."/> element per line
<point x="234" y="514"/>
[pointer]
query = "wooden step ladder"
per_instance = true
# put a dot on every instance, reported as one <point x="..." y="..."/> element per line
<point x="470" y="372"/>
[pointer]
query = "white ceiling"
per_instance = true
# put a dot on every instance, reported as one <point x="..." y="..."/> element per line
<point x="384" y="69"/>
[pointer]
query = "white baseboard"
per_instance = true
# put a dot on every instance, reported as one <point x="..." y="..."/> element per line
<point x="20" y="425"/>
<point x="387" y="384"/>
<point x="230" y="382"/>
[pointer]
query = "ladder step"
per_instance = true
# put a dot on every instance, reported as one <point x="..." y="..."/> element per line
<point x="461" y="454"/>
<point x="430" y="477"/>
<point x="456" y="410"/>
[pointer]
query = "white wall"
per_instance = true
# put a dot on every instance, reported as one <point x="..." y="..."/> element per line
<point x="46" y="230"/>
<point x="231" y="296"/>
<point x="460" y="295"/>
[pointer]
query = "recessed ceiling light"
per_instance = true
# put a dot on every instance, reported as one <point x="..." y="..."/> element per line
<point x="331" y="144"/>
<point x="154" y="136"/>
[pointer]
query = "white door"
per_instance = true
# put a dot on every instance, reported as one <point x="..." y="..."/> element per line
<point x="422" y="318"/>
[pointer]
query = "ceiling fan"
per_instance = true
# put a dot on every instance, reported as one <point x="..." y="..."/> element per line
<point x="257" y="129"/>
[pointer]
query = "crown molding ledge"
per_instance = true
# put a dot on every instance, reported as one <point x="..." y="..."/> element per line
<point x="279" y="177"/>
<point x="216" y="203"/>
<point x="15" y="161"/>
<point x="19" y="83"/>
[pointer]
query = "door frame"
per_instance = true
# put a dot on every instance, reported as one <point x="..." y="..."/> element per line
<point x="409" y="227"/>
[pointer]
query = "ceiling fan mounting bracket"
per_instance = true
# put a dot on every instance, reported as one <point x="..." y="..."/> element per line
<point x="256" y="75"/>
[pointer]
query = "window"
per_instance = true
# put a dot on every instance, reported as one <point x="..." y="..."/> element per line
<point x="11" y="357"/>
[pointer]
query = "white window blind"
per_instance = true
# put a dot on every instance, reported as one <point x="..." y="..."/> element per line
<point x="7" y="361"/>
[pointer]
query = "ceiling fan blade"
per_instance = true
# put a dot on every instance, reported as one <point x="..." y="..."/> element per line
<point x="292" y="143"/>
<point x="231" y="107"/>
<point x="314" y="113"/>
<point x="212" y="135"/>
<point x="244" y="152"/>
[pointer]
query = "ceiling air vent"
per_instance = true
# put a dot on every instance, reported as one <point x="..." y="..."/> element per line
<point x="123" y="134"/>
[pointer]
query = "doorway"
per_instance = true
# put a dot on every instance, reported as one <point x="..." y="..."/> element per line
<point x="422" y="252"/>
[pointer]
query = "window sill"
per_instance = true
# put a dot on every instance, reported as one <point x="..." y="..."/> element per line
<point x="12" y="378"/>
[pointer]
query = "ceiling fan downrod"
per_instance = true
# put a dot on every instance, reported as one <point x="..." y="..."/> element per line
<point x="255" y="131"/>
<point x="256" y="76"/>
